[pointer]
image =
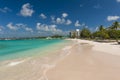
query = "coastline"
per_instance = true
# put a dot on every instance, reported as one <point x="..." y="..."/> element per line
<point x="34" y="67"/>
<point x="78" y="60"/>
<point x="88" y="61"/>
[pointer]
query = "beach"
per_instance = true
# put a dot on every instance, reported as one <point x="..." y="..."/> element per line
<point x="78" y="60"/>
<point x="60" y="40"/>
<point x="88" y="63"/>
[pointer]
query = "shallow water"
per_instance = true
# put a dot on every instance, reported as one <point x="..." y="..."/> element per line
<point x="13" y="49"/>
<point x="37" y="62"/>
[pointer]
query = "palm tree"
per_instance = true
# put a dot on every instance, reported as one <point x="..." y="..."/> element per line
<point x="102" y="33"/>
<point x="85" y="33"/>
<point x="101" y="28"/>
<point x="113" y="30"/>
<point x="115" y="25"/>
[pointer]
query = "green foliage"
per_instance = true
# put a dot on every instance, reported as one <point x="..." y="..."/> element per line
<point x="101" y="28"/>
<point x="114" y="31"/>
<point x="101" y="34"/>
<point x="85" y="33"/>
<point x="73" y="34"/>
<point x="115" y="25"/>
<point x="114" y="34"/>
<point x="56" y="36"/>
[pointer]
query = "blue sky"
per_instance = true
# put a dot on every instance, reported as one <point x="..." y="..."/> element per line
<point x="21" y="18"/>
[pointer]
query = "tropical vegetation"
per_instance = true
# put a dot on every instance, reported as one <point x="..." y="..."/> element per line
<point x="103" y="33"/>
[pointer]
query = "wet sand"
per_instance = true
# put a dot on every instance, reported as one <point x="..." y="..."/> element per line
<point x="79" y="60"/>
<point x="33" y="68"/>
<point x="84" y="63"/>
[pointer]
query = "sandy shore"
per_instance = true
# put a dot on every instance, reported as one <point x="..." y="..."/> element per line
<point x="89" y="61"/>
<point x="78" y="60"/>
<point x="34" y="68"/>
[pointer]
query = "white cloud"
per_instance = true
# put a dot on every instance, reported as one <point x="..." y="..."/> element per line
<point x="77" y="24"/>
<point x="83" y="24"/>
<point x="53" y="28"/>
<point x="113" y="18"/>
<point x="96" y="28"/>
<point x="26" y="10"/>
<point x="61" y="20"/>
<point x="53" y="19"/>
<point x="118" y="0"/>
<point x="18" y="26"/>
<point x="24" y="26"/>
<point x="58" y="20"/>
<point x="43" y="16"/>
<point x="68" y="22"/>
<point x="42" y="27"/>
<point x="64" y="15"/>
<point x="28" y="29"/>
<point x="86" y="26"/>
<point x="38" y="26"/>
<point x="47" y="28"/>
<point x="1" y="28"/>
<point x="5" y="10"/>
<point x="12" y="27"/>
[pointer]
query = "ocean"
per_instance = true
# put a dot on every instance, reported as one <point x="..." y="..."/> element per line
<point x="31" y="59"/>
<point x="15" y="49"/>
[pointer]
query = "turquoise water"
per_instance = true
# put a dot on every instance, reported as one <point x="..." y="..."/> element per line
<point x="13" y="49"/>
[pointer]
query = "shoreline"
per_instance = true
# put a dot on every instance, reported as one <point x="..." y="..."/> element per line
<point x="79" y="57"/>
<point x="33" y="67"/>
<point x="88" y="63"/>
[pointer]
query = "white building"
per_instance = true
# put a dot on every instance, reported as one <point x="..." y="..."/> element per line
<point x="75" y="34"/>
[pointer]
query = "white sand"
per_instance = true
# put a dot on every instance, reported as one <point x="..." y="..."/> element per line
<point x="82" y="60"/>
<point x="88" y="61"/>
<point x="111" y="48"/>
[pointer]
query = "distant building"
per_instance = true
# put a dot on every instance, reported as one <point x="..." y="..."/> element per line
<point x="75" y="34"/>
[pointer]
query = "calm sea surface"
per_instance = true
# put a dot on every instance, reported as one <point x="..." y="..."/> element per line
<point x="13" y="49"/>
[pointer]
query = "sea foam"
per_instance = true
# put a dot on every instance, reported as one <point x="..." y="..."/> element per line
<point x="15" y="63"/>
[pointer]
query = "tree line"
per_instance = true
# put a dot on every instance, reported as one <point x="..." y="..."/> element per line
<point x="112" y="32"/>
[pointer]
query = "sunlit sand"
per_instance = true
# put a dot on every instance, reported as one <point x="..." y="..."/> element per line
<point x="79" y="60"/>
